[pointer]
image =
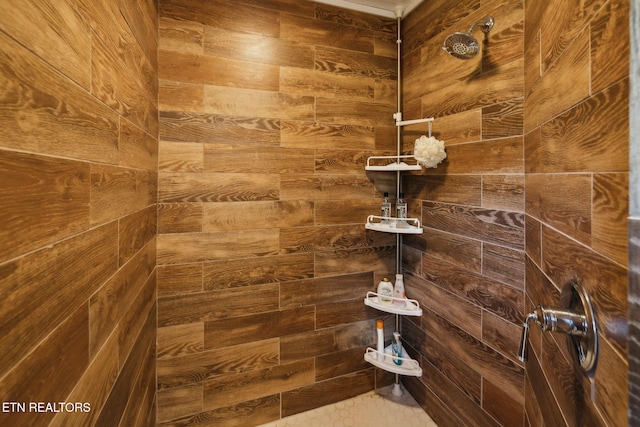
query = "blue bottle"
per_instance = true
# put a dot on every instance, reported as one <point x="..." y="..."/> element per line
<point x="396" y="348"/>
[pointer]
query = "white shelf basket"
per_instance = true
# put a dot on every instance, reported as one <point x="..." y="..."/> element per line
<point x="394" y="225"/>
<point x="402" y="306"/>
<point x="395" y="163"/>
<point x="409" y="366"/>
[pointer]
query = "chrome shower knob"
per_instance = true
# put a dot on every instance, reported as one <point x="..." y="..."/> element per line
<point x="577" y="321"/>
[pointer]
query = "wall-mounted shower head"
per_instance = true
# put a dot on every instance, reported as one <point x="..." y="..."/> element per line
<point x="464" y="45"/>
<point x="461" y="45"/>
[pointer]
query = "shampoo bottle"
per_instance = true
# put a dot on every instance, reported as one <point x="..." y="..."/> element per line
<point x="401" y="211"/>
<point x="385" y="209"/>
<point x="398" y="290"/>
<point x="385" y="291"/>
<point x="380" y="339"/>
<point x="396" y="348"/>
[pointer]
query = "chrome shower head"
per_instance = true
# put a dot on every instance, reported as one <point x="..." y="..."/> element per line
<point x="461" y="45"/>
<point x="464" y="45"/>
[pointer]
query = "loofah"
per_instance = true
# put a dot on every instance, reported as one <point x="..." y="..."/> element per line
<point x="429" y="151"/>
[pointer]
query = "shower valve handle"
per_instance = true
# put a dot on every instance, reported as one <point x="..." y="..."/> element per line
<point x="559" y="320"/>
<point x="553" y="320"/>
<point x="577" y="321"/>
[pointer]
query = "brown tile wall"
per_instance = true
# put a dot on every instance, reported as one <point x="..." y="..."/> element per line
<point x="267" y="116"/>
<point x="634" y="320"/>
<point x="533" y="193"/>
<point x="78" y="173"/>
<point x="634" y="216"/>
<point x="268" y="111"/>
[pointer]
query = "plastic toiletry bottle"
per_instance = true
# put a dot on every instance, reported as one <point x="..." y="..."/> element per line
<point x="380" y="339"/>
<point x="385" y="291"/>
<point x="396" y="348"/>
<point x="385" y="209"/>
<point x="398" y="290"/>
<point x="401" y="211"/>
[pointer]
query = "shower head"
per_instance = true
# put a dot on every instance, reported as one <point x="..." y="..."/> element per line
<point x="464" y="45"/>
<point x="461" y="45"/>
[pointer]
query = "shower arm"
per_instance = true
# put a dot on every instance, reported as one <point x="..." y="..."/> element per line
<point x="485" y="26"/>
<point x="473" y="27"/>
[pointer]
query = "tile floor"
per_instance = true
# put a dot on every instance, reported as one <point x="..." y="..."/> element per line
<point x="374" y="409"/>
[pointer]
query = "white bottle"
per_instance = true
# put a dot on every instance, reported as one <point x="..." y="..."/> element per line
<point x="380" y="339"/>
<point x="385" y="291"/>
<point x="398" y="290"/>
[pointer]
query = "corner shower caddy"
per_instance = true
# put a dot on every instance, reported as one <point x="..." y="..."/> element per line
<point x="399" y="306"/>
<point x="398" y="226"/>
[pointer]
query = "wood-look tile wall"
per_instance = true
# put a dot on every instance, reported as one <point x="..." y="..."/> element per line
<point x="268" y="111"/>
<point x="634" y="320"/>
<point x="78" y="192"/>
<point x="634" y="216"/>
<point x="534" y="192"/>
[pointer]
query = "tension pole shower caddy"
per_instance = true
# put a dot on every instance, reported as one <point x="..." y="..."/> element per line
<point x="400" y="306"/>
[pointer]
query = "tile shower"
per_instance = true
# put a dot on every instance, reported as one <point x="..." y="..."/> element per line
<point x="253" y="157"/>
